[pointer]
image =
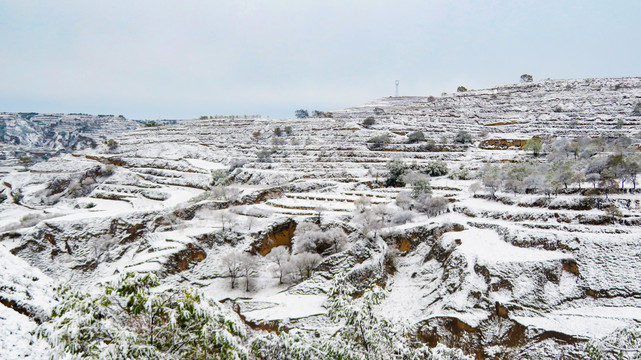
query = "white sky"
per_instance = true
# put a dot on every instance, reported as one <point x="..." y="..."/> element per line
<point x="180" y="59"/>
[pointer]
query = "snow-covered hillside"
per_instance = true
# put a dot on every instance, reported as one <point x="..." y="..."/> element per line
<point x="529" y="276"/>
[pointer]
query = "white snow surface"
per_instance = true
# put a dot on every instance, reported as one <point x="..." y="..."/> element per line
<point x="487" y="247"/>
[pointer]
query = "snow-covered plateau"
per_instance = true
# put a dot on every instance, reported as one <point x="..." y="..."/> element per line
<point x="506" y="255"/>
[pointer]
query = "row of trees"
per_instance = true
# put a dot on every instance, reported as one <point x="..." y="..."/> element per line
<point x="606" y="173"/>
<point x="570" y="164"/>
<point x="132" y="318"/>
<point x="303" y="114"/>
<point x="525" y="79"/>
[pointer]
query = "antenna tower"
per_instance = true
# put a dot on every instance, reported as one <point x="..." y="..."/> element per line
<point x="396" y="88"/>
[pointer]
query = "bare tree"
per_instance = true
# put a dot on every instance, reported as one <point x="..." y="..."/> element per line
<point x="280" y="256"/>
<point x="305" y="263"/>
<point x="248" y="268"/>
<point x="233" y="264"/>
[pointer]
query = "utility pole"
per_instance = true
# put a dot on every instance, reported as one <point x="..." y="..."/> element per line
<point x="396" y="88"/>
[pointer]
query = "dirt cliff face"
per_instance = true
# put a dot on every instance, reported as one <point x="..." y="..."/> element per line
<point x="279" y="234"/>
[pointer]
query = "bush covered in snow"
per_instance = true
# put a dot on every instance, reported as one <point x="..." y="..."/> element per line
<point x="622" y="344"/>
<point x="131" y="319"/>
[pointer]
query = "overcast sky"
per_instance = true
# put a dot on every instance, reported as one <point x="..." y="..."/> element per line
<point x="181" y="59"/>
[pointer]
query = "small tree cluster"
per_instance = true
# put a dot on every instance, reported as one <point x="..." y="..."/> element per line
<point x="322" y="114"/>
<point x="294" y="267"/>
<point x="461" y="89"/>
<point x="240" y="264"/>
<point x="398" y="171"/>
<point x="603" y="171"/>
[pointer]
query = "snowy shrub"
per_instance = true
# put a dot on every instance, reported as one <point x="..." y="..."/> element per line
<point x="535" y="145"/>
<point x="378" y="142"/>
<point x="415" y="137"/>
<point x="432" y="206"/>
<point x="491" y="178"/>
<point x="112" y="144"/>
<point x="235" y="164"/>
<point x="219" y="177"/>
<point x="264" y="156"/>
<point x="461" y="173"/>
<point x="108" y="170"/>
<point x="131" y="319"/>
<point x="17" y="196"/>
<point x="224" y="193"/>
<point x="613" y="211"/>
<point x="278" y="131"/>
<point x="402" y="217"/>
<point x="463" y="137"/>
<point x="32" y="219"/>
<point x="369" y="121"/>
<point x="404" y="200"/>
<point x="362" y="203"/>
<point x="436" y="168"/>
<point x="461" y="89"/>
<point x="288" y="130"/>
<point x="3" y="197"/>
<point x="278" y="142"/>
<point x="622" y="344"/>
<point x="637" y="109"/>
<point x="420" y="183"/>
<point x="475" y="187"/>
<point x="396" y="169"/>
<point x="379" y="111"/>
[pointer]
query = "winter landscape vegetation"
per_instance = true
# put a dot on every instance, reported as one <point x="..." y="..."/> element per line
<point x="501" y="223"/>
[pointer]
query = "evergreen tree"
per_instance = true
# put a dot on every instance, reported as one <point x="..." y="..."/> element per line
<point x="131" y="319"/>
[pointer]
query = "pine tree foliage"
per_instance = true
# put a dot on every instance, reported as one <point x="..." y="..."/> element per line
<point x="622" y="344"/>
<point x="131" y="319"/>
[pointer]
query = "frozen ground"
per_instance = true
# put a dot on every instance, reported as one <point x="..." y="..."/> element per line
<point x="487" y="268"/>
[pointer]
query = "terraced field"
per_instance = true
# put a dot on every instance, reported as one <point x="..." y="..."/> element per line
<point x="529" y="276"/>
